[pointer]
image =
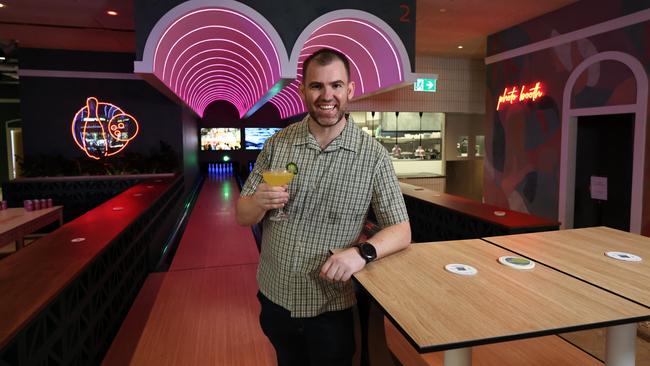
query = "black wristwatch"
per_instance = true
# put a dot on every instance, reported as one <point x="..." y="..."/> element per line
<point x="367" y="251"/>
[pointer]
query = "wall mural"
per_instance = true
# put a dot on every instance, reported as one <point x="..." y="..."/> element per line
<point x="103" y="129"/>
<point x="523" y="140"/>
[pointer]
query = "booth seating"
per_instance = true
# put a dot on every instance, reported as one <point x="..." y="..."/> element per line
<point x="64" y="295"/>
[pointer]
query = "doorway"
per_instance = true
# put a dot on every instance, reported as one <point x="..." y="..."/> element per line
<point x="604" y="150"/>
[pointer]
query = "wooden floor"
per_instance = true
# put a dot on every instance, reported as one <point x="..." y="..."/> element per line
<point x="204" y="311"/>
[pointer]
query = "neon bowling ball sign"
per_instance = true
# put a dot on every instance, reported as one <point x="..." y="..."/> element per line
<point x="103" y="129"/>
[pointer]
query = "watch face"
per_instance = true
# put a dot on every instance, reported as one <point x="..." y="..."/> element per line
<point x="368" y="251"/>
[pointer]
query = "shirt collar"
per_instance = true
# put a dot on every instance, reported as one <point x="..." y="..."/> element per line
<point x="348" y="139"/>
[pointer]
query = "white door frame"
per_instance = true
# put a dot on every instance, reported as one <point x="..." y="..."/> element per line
<point x="569" y="137"/>
<point x="11" y="158"/>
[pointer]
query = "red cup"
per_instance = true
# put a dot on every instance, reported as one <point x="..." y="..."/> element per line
<point x="49" y="202"/>
<point x="28" y="205"/>
<point x="37" y="204"/>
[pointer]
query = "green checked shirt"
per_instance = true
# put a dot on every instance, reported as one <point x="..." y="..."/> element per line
<point x="328" y="203"/>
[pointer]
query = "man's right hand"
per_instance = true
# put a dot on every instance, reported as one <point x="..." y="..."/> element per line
<point x="269" y="197"/>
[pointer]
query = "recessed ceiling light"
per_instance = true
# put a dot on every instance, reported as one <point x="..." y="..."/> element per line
<point x="111" y="12"/>
<point x="443" y="10"/>
<point x="2" y="5"/>
<point x="460" y="46"/>
<point x="2" y="58"/>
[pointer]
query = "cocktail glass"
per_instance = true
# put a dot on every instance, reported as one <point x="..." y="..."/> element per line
<point x="278" y="178"/>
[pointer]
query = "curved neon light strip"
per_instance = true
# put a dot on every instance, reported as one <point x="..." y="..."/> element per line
<point x="200" y="81"/>
<point x="277" y="107"/>
<point x="281" y="104"/>
<point x="266" y="82"/>
<point x="216" y="10"/>
<point x="203" y="105"/>
<point x="226" y="87"/>
<point x="252" y="78"/>
<point x="216" y="81"/>
<point x="208" y="70"/>
<point x="291" y="99"/>
<point x="220" y="76"/>
<point x="357" y="43"/>
<point x="221" y="91"/>
<point x="217" y="95"/>
<point x="376" y="30"/>
<point x="206" y="74"/>
<point x="268" y="63"/>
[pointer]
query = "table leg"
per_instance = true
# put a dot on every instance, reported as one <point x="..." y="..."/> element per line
<point x="459" y="357"/>
<point x="620" y="349"/>
<point x="374" y="349"/>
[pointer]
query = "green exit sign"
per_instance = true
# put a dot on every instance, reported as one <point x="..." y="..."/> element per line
<point x="425" y="85"/>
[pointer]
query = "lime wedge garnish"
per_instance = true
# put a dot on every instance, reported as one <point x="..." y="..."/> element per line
<point x="293" y="168"/>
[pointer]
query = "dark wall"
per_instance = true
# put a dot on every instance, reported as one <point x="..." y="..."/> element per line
<point x="523" y="140"/>
<point x="190" y="147"/>
<point x="48" y="104"/>
<point x="291" y="17"/>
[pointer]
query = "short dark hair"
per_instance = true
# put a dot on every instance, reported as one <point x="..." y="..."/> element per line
<point x="323" y="57"/>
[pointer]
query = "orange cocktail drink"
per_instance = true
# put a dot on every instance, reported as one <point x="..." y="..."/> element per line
<point x="278" y="178"/>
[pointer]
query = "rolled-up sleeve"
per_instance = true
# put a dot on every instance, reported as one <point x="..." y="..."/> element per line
<point x="387" y="200"/>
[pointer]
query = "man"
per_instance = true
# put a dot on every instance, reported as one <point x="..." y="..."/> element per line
<point x="305" y="291"/>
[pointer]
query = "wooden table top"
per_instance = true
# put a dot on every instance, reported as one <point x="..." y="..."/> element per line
<point x="438" y="310"/>
<point x="581" y="253"/>
<point x="482" y="211"/>
<point x="14" y="217"/>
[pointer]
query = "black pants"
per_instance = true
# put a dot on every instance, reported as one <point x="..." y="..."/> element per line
<point x="324" y="340"/>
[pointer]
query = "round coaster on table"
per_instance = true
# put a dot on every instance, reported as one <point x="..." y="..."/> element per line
<point x="499" y="213"/>
<point x="622" y="256"/>
<point x="77" y="240"/>
<point x="461" y="269"/>
<point x="516" y="262"/>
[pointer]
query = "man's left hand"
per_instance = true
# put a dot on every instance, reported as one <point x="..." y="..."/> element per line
<point x="342" y="265"/>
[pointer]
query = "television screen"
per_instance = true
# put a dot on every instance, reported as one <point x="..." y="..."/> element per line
<point x="220" y="139"/>
<point x="254" y="137"/>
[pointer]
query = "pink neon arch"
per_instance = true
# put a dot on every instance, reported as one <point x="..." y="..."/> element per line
<point x="373" y="59"/>
<point x="218" y="94"/>
<point x="190" y="42"/>
<point x="213" y="68"/>
<point x="232" y="58"/>
<point x="220" y="80"/>
<point x="218" y="85"/>
<point x="222" y="74"/>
